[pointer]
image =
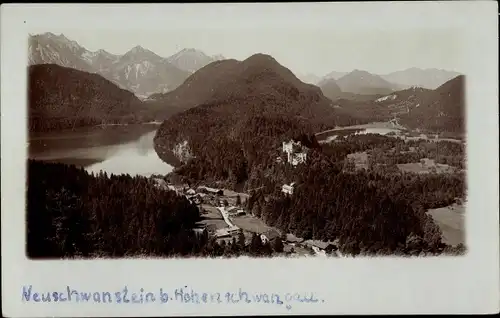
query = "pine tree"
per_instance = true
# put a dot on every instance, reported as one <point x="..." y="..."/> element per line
<point x="241" y="240"/>
<point x="278" y="245"/>
<point x="256" y="245"/>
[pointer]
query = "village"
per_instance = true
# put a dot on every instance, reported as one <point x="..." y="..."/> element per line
<point x="224" y="214"/>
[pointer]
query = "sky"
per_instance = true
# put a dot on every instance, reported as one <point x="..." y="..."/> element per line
<point x="307" y="38"/>
<point x="304" y="51"/>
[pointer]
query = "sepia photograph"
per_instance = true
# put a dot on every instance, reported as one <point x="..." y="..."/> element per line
<point x="249" y="158"/>
<point x="257" y="148"/>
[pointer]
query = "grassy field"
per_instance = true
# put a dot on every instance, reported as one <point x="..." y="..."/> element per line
<point x="451" y="221"/>
<point x="419" y="168"/>
<point x="212" y="218"/>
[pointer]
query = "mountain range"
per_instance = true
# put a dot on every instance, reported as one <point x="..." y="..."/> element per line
<point x="362" y="85"/>
<point x="190" y="78"/>
<point x="430" y="78"/>
<point x="139" y="70"/>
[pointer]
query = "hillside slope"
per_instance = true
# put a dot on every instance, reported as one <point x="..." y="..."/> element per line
<point x="440" y="110"/>
<point x="238" y="115"/>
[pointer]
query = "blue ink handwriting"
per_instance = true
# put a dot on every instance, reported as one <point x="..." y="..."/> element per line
<point x="183" y="295"/>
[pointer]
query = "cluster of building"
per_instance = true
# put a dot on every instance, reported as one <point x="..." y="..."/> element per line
<point x="196" y="196"/>
<point x="213" y="196"/>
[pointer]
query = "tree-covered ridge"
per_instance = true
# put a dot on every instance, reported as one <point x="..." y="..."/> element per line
<point x="441" y="110"/>
<point x="64" y="98"/>
<point x="242" y="116"/>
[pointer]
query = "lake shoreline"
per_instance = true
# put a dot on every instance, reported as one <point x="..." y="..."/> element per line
<point x="116" y="149"/>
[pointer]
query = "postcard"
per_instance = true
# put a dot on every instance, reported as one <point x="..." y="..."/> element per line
<point x="241" y="159"/>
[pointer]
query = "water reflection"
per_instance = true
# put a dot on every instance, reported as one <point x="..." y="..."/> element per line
<point x="137" y="157"/>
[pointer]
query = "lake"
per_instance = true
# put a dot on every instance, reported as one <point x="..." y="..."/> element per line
<point x="126" y="149"/>
<point x="375" y="128"/>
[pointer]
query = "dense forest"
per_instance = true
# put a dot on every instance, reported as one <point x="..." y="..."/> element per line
<point x="237" y="141"/>
<point x="392" y="150"/>
<point x="243" y="118"/>
<point x="78" y="214"/>
<point x="62" y="98"/>
<point x="369" y="211"/>
<point x="237" y="114"/>
<point x="374" y="210"/>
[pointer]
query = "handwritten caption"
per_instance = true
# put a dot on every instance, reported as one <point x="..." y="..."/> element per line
<point x="183" y="295"/>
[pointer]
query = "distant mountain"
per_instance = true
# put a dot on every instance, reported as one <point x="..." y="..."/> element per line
<point x="65" y="98"/>
<point x="144" y="72"/>
<point x="440" y="110"/>
<point x="362" y="82"/>
<point x="330" y="88"/>
<point x="139" y="70"/>
<point x="239" y="113"/>
<point x="335" y="75"/>
<point x="427" y="78"/>
<point x="191" y="60"/>
<point x="49" y="48"/>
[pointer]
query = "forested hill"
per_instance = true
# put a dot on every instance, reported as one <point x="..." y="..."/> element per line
<point x="64" y="98"/>
<point x="441" y="110"/>
<point x="260" y="79"/>
<point x="238" y="114"/>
